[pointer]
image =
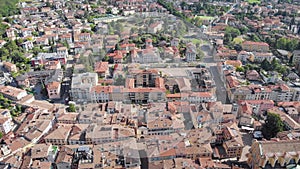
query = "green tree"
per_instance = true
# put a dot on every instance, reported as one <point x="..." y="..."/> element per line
<point x="72" y="108"/>
<point x="273" y="125"/>
<point x="240" y="69"/>
<point x="1" y="134"/>
<point x="230" y="34"/>
<point x="255" y="38"/>
<point x="265" y="64"/>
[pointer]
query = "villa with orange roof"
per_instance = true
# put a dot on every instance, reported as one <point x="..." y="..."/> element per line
<point x="255" y="46"/>
<point x="53" y="89"/>
<point x="101" y="68"/>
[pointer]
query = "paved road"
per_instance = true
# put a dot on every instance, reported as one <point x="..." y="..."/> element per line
<point x="220" y="87"/>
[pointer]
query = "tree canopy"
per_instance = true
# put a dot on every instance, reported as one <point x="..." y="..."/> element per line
<point x="273" y="125"/>
<point x="230" y="34"/>
<point x="8" y="7"/>
<point x="72" y="108"/>
<point x="287" y="44"/>
<point x="273" y="66"/>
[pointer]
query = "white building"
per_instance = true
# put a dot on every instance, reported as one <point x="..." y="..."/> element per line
<point x="6" y="123"/>
<point x="81" y="86"/>
<point x="190" y="52"/>
<point x="201" y="97"/>
<point x="101" y="93"/>
<point x="12" y="92"/>
<point x="296" y="56"/>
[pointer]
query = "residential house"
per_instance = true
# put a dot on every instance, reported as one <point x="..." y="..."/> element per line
<point x="62" y="52"/>
<point x="10" y="33"/>
<point x="67" y="118"/>
<point x="81" y="86"/>
<point x="144" y="78"/>
<point x="144" y="95"/>
<point x="296" y="56"/>
<point x="105" y="134"/>
<point x="10" y="67"/>
<point x="201" y="97"/>
<point x="116" y="56"/>
<point x="52" y="65"/>
<point x="148" y="55"/>
<point x="42" y="41"/>
<point x="154" y="27"/>
<point x="37" y="164"/>
<point x="255" y="46"/>
<point x="127" y="47"/>
<point x="27" y="45"/>
<point x="231" y="139"/>
<point x="101" y="93"/>
<point x="12" y="93"/>
<point x="101" y="68"/>
<point x="44" y="152"/>
<point x="281" y="92"/>
<point x="82" y="37"/>
<point x="190" y="52"/>
<point x="116" y="93"/>
<point x="288" y="121"/>
<point x="29" y="10"/>
<point x="258" y="106"/>
<point x="234" y="63"/>
<point x="252" y="75"/>
<point x="42" y="58"/>
<point x="26" y="32"/>
<point x="2" y="43"/>
<point x="53" y="90"/>
<point x="77" y="135"/>
<point x="261" y="56"/>
<point x="6" y="123"/>
<point x="64" y="158"/>
<point x="59" y="136"/>
<point x="160" y="126"/>
<point x="243" y="56"/>
<point x="67" y="37"/>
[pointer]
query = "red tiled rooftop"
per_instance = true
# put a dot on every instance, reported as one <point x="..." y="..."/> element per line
<point x="101" y="67"/>
<point x="255" y="43"/>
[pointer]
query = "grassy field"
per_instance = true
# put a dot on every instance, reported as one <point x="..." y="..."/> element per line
<point x="253" y="1"/>
<point x="238" y="40"/>
<point x="205" y="17"/>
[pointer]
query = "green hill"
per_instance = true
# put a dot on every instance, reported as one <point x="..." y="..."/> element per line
<point x="8" y="7"/>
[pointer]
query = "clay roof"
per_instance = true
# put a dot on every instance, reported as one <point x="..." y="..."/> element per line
<point x="101" y="67"/>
